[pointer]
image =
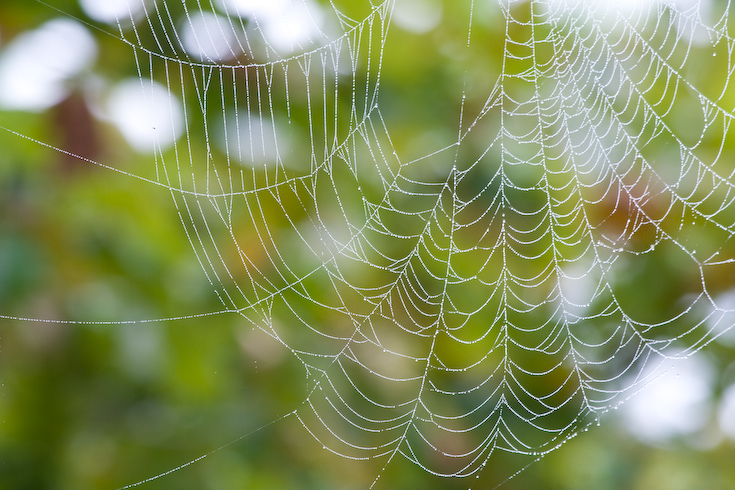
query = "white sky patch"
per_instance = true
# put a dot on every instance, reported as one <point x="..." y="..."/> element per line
<point x="618" y="5"/>
<point x="147" y="114"/>
<point x="286" y="25"/>
<point x="417" y="16"/>
<point x="112" y="11"/>
<point x="578" y="283"/>
<point x="676" y="403"/>
<point x="255" y="140"/>
<point x="208" y="37"/>
<point x="726" y="412"/>
<point x="35" y="68"/>
<point x="628" y="6"/>
<point x="683" y="5"/>
<point x="722" y="319"/>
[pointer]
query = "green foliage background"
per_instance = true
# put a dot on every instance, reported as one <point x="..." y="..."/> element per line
<point x="95" y="406"/>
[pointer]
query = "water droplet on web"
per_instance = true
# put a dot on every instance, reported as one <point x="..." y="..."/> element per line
<point x="520" y="199"/>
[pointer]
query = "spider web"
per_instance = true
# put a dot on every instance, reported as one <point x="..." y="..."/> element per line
<point x="494" y="294"/>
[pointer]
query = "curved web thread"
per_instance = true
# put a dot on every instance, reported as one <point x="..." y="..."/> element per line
<point x="497" y="307"/>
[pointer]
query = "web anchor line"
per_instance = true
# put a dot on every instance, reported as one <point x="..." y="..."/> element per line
<point x="489" y="275"/>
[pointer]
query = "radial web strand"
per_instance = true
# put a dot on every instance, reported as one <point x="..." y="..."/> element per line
<point x="494" y="292"/>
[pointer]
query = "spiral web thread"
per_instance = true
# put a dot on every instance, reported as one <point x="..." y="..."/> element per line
<point x="488" y="295"/>
<point x="486" y="310"/>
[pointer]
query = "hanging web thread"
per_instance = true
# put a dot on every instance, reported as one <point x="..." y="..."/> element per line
<point x="489" y="295"/>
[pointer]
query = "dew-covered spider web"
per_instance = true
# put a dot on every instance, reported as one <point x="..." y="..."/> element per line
<point x="495" y="288"/>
